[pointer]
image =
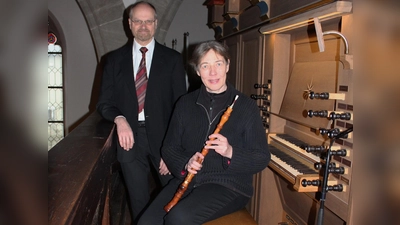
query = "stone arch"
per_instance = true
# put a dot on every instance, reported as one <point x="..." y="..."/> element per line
<point x="105" y="20"/>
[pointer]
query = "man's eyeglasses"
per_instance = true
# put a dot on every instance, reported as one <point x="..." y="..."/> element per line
<point x="141" y="22"/>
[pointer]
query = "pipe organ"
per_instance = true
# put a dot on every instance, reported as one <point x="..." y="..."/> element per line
<point x="306" y="103"/>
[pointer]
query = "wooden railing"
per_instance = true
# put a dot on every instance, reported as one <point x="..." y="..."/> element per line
<point x="81" y="173"/>
<point x="84" y="181"/>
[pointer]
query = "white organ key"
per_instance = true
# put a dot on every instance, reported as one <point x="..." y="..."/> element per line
<point x="296" y="148"/>
<point x="285" y="166"/>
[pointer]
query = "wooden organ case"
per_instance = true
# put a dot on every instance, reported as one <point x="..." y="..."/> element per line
<point x="297" y="123"/>
<point x="305" y="98"/>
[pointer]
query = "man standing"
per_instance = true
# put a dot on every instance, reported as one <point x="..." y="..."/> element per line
<point x="140" y="84"/>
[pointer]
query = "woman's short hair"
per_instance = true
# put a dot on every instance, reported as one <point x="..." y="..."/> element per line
<point x="202" y="49"/>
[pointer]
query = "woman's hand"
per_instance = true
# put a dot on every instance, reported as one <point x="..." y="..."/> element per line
<point x="220" y="144"/>
<point x="193" y="166"/>
<point x="163" y="169"/>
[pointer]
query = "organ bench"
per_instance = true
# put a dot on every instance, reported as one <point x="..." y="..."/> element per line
<point x="241" y="217"/>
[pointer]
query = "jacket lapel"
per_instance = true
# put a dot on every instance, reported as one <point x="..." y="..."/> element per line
<point x="127" y="70"/>
<point x="157" y="63"/>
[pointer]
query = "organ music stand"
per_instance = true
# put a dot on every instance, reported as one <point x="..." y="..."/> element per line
<point x="346" y="59"/>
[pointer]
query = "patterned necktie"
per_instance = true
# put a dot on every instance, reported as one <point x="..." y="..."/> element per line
<point x="141" y="80"/>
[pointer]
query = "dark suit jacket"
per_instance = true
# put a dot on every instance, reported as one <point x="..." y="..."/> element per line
<point x="118" y="94"/>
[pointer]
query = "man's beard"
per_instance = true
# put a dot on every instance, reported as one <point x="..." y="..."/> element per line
<point x="143" y="35"/>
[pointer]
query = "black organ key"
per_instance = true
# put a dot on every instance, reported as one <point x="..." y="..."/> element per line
<point x="295" y="141"/>
<point x="291" y="161"/>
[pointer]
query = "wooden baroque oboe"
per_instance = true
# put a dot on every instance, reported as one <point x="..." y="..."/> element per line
<point x="184" y="185"/>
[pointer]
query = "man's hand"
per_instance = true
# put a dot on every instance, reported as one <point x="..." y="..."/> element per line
<point x="125" y="134"/>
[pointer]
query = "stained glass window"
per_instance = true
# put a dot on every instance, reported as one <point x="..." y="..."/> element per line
<point x="55" y="92"/>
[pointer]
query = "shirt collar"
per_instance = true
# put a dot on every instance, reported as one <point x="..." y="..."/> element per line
<point x="204" y="97"/>
<point x="137" y="46"/>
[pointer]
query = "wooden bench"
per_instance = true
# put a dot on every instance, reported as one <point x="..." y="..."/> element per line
<point x="241" y="217"/>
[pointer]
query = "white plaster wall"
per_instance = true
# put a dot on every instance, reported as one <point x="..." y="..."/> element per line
<point x="80" y="57"/>
<point x="80" y="60"/>
<point x="128" y="2"/>
<point x="191" y="17"/>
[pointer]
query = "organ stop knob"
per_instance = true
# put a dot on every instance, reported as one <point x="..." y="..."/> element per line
<point x="266" y="86"/>
<point x="329" y="114"/>
<point x="326" y="95"/>
<point x="264" y="97"/>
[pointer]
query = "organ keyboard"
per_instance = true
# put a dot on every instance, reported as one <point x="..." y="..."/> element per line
<point x="290" y="160"/>
<point x="295" y="145"/>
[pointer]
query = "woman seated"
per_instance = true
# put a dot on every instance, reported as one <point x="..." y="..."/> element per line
<point x="222" y="183"/>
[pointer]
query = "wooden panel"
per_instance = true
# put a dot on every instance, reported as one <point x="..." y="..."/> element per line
<point x="303" y="207"/>
<point x="308" y="52"/>
<point x="270" y="207"/>
<point x="250" y="17"/>
<point x="233" y="44"/>
<point x="232" y="6"/>
<point x="251" y="50"/>
<point x="79" y="174"/>
<point x="215" y="14"/>
<point x="305" y="53"/>
<point x="315" y="76"/>
<point x="277" y="68"/>
<point x="305" y="45"/>
<point x="241" y="217"/>
<point x="254" y="203"/>
<point x="244" y="4"/>
<point x="276" y="57"/>
<point x="279" y="7"/>
<point x="228" y="28"/>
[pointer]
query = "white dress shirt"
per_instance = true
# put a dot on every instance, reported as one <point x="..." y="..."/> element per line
<point x="137" y="57"/>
